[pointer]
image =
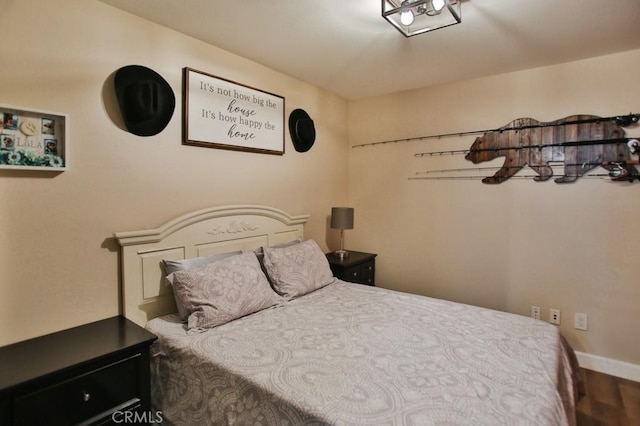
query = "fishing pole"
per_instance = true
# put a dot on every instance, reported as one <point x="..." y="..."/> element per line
<point x="632" y="143"/>
<point x="621" y="178"/>
<point x="621" y="120"/>
<point x="465" y="169"/>
<point x="617" y="164"/>
<point x="591" y="176"/>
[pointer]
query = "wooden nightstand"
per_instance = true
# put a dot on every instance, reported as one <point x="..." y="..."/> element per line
<point x="91" y="374"/>
<point x="358" y="268"/>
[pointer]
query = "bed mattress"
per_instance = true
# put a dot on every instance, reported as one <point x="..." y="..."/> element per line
<point x="349" y="354"/>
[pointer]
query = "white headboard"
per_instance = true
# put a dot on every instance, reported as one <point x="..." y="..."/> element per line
<point x="201" y="233"/>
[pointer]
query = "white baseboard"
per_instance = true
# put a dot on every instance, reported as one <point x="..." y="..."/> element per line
<point x="609" y="366"/>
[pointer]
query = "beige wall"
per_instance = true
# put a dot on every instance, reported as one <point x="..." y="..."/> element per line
<point x="58" y="264"/>
<point x="573" y="247"/>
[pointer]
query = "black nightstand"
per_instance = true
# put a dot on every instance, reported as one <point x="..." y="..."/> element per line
<point x="91" y="374"/>
<point x="358" y="268"/>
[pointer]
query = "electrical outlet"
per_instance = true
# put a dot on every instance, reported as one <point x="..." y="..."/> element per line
<point x="535" y="312"/>
<point x="581" y="321"/>
<point x="554" y="317"/>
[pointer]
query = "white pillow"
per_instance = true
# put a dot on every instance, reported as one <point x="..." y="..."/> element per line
<point x="260" y="253"/>
<point x="298" y="269"/>
<point x="219" y="292"/>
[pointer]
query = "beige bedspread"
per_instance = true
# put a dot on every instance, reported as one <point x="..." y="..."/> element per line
<point x="349" y="354"/>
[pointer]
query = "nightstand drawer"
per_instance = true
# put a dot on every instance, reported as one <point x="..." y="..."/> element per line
<point x="352" y="274"/>
<point x="94" y="395"/>
<point x="368" y="272"/>
<point x="361" y="274"/>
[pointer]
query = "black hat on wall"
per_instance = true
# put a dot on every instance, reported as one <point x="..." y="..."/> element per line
<point x="145" y="98"/>
<point x="302" y="130"/>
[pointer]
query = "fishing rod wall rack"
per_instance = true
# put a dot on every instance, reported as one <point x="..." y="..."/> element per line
<point x="579" y="142"/>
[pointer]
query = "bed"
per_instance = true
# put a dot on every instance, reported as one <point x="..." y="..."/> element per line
<point x="280" y="341"/>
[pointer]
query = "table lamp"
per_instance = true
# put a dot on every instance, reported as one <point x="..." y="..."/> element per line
<point x="342" y="218"/>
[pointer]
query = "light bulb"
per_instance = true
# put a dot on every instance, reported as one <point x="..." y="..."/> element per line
<point x="406" y="17"/>
<point x="437" y="5"/>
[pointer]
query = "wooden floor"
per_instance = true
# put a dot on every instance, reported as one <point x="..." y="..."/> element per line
<point x="609" y="401"/>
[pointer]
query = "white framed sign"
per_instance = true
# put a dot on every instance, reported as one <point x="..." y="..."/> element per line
<point x="33" y="139"/>
<point x="219" y="113"/>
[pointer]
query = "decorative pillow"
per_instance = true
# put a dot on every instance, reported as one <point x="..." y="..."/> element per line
<point x="260" y="250"/>
<point x="219" y="292"/>
<point x="171" y="266"/>
<point x="260" y="253"/>
<point x="297" y="270"/>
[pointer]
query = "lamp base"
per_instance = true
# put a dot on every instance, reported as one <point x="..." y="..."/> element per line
<point x="341" y="254"/>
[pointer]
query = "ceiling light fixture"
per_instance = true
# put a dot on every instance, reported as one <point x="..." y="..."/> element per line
<point x="412" y="17"/>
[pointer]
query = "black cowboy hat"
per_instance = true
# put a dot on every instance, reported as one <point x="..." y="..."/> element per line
<point x="302" y="130"/>
<point x="146" y="100"/>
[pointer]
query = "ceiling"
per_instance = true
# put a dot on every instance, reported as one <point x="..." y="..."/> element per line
<point x="346" y="47"/>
